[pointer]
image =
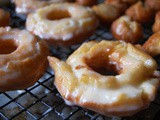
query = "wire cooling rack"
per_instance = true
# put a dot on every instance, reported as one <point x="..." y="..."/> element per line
<point x="42" y="100"/>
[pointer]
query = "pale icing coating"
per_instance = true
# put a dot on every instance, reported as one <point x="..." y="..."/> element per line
<point x="126" y="93"/>
<point x="28" y="6"/>
<point x="82" y="20"/>
<point x="26" y="64"/>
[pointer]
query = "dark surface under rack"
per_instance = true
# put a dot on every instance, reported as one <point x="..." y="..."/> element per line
<point x="42" y="101"/>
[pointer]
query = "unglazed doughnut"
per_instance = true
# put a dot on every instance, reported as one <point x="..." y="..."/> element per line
<point x="140" y="12"/>
<point x="156" y="25"/>
<point x="23" y="59"/>
<point x="62" y="24"/>
<point x="86" y="2"/>
<point x="80" y="80"/>
<point x="27" y="6"/>
<point x="153" y="4"/>
<point x="152" y="45"/>
<point x="124" y="28"/>
<point x="122" y="5"/>
<point x="4" y="18"/>
<point x="103" y="12"/>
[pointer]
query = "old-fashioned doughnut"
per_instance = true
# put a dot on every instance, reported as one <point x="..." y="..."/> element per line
<point x="103" y="12"/>
<point x="62" y="24"/>
<point x="124" y="28"/>
<point x="27" y="6"/>
<point x="156" y="25"/>
<point x="153" y="4"/>
<point x="86" y="2"/>
<point x="152" y="45"/>
<point x="140" y="12"/>
<point x="23" y="59"/>
<point x="82" y="79"/>
<point x="4" y="18"/>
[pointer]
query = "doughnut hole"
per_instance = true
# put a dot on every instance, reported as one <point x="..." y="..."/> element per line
<point x="102" y="65"/>
<point x="7" y="46"/>
<point x="61" y="15"/>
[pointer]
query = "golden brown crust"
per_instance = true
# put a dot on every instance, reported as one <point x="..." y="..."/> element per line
<point x="79" y="83"/>
<point x="23" y="65"/>
<point x="4" y="18"/>
<point x="156" y="25"/>
<point x="140" y="13"/>
<point x="153" y="4"/>
<point x="122" y="6"/>
<point x="130" y="2"/>
<point x="152" y="45"/>
<point x="86" y="2"/>
<point x="124" y="28"/>
<point x="103" y="12"/>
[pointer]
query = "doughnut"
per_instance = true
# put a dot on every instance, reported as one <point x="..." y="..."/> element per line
<point x="124" y="28"/>
<point x="103" y="12"/>
<point x="152" y="45"/>
<point x="140" y="13"/>
<point x="23" y="59"/>
<point x="62" y="24"/>
<point x="28" y="6"/>
<point x="82" y="79"/>
<point x="86" y="2"/>
<point x="4" y="18"/>
<point x="156" y="25"/>
<point x="122" y="5"/>
<point x="153" y="4"/>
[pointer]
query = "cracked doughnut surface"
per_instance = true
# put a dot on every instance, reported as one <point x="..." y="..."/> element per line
<point x="82" y="79"/>
<point x="63" y="24"/>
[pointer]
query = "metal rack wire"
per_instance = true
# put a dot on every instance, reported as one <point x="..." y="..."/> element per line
<point x="42" y="101"/>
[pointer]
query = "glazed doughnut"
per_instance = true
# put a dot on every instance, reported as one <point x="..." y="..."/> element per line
<point x="86" y="2"/>
<point x="82" y="79"/>
<point x="28" y="6"/>
<point x="156" y="25"/>
<point x="23" y="59"/>
<point x="140" y="13"/>
<point x="153" y="4"/>
<point x="152" y="45"/>
<point x="62" y="24"/>
<point x="124" y="28"/>
<point x="103" y="12"/>
<point x="4" y="18"/>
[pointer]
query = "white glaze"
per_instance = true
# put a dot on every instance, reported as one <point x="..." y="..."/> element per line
<point x="63" y="29"/>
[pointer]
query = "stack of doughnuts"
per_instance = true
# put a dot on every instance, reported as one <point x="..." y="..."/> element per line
<point x="83" y="79"/>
